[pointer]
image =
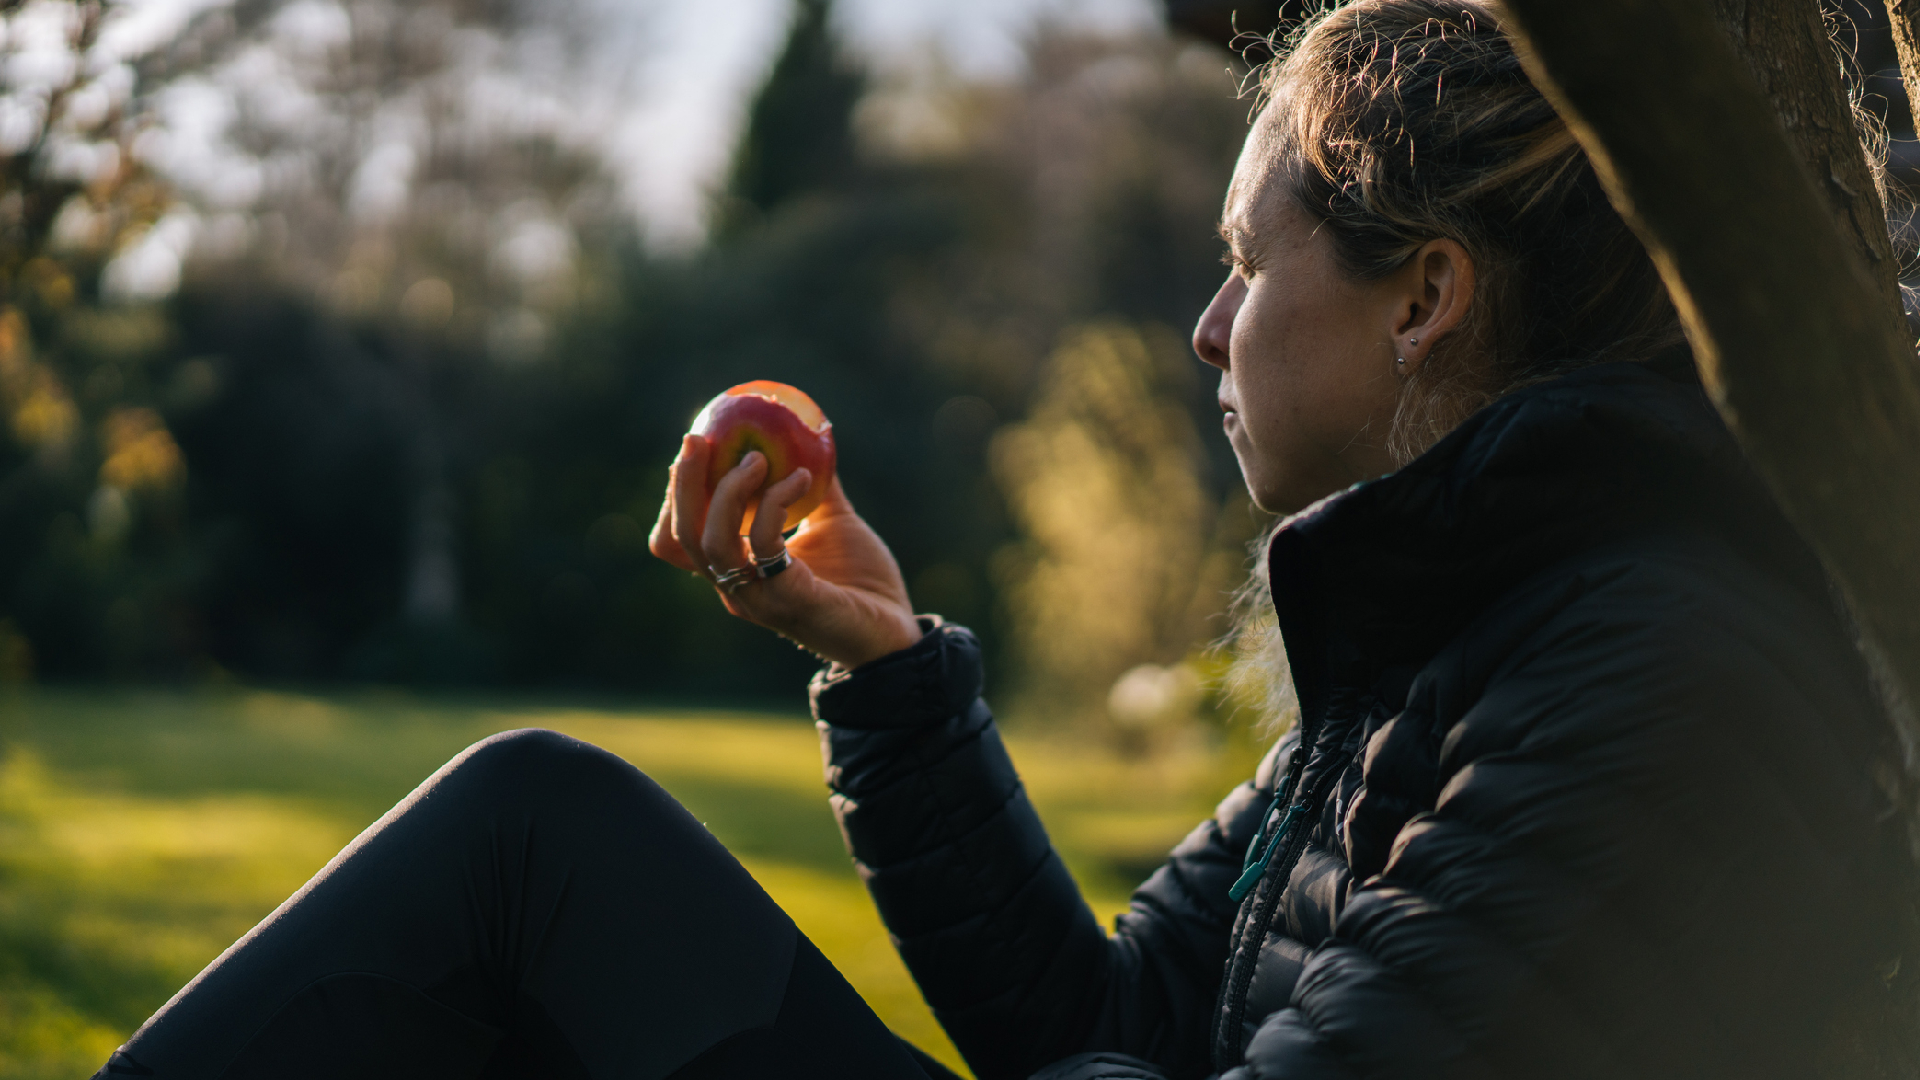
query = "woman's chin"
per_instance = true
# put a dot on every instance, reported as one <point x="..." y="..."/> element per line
<point x="1273" y="502"/>
<point x="1268" y="486"/>
<point x="1283" y="495"/>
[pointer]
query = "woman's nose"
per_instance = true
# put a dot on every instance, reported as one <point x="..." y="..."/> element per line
<point x="1215" y="329"/>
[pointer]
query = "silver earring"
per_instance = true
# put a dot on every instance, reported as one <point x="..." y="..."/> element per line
<point x="1401" y="360"/>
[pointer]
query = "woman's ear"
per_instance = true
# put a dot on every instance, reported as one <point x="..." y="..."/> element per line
<point x="1435" y="294"/>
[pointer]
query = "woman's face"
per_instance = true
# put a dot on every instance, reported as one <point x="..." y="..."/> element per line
<point x="1307" y="355"/>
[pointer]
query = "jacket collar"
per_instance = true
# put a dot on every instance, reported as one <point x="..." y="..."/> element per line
<point x="1392" y="569"/>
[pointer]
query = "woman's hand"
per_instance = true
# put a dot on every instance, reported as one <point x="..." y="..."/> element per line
<point x="842" y="597"/>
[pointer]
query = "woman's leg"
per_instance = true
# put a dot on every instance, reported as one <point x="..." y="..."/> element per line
<point x="539" y="908"/>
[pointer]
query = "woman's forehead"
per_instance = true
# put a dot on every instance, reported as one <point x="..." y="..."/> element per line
<point x="1266" y="137"/>
<point x="1257" y="178"/>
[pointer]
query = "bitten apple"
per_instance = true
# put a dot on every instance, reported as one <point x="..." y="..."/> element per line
<point x="780" y="422"/>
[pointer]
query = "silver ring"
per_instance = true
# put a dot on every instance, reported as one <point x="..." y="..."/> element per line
<point x="733" y="579"/>
<point x="772" y="565"/>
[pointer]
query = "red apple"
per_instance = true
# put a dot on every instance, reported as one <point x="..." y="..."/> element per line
<point x="780" y="422"/>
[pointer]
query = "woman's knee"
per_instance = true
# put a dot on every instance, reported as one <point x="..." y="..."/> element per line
<point x="569" y="792"/>
<point x="545" y="766"/>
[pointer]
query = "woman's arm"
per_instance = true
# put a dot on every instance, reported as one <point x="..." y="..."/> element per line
<point x="986" y="915"/>
<point x="984" y="912"/>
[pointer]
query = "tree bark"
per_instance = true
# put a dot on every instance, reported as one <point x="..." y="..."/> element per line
<point x="1904" y="17"/>
<point x="1785" y="47"/>
<point x="1790" y="322"/>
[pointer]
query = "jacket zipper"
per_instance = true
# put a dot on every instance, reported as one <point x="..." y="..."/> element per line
<point x="1228" y="1044"/>
<point x="1260" y="850"/>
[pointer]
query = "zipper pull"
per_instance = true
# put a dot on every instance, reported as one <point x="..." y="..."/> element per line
<point x="1253" y="869"/>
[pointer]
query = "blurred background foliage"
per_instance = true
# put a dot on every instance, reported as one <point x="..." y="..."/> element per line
<point x="328" y="354"/>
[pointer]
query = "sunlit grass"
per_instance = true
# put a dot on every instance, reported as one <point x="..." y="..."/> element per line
<point x="140" y="833"/>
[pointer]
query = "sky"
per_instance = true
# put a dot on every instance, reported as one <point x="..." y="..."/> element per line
<point x="683" y="75"/>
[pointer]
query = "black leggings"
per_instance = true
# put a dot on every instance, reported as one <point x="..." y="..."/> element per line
<point x="537" y="908"/>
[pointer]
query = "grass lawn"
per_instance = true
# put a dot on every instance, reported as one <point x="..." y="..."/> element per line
<point x="142" y="832"/>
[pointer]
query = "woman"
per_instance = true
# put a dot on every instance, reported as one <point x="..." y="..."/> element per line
<point x="1582" y="783"/>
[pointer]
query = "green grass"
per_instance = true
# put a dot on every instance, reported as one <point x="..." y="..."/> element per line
<point x="141" y="832"/>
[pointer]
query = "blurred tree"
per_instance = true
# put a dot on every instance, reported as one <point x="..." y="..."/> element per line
<point x="64" y="147"/>
<point x="419" y="188"/>
<point x="1090" y="188"/>
<point x="356" y="209"/>
<point x="93" y="564"/>
<point x="799" y="131"/>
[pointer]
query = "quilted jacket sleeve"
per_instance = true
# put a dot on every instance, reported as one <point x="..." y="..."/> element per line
<point x="1642" y="853"/>
<point x="982" y="909"/>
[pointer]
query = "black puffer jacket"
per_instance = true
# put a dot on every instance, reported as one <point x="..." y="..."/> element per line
<point x="1584" y="784"/>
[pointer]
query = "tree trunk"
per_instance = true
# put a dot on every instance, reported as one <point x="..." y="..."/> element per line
<point x="1904" y="16"/>
<point x="1790" y="320"/>
<point x="1785" y="47"/>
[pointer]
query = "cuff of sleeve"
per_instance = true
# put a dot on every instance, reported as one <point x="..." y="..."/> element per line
<point x="937" y="677"/>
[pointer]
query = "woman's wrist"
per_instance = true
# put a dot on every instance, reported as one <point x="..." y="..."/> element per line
<point x="934" y="679"/>
<point x="903" y="633"/>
